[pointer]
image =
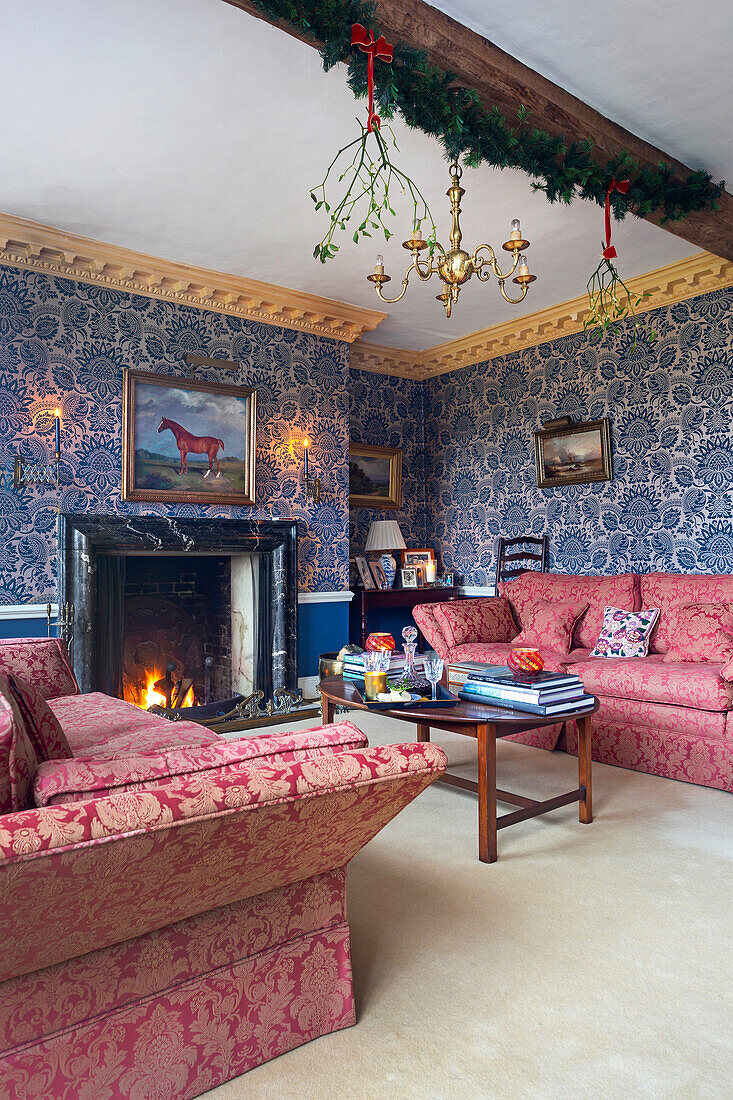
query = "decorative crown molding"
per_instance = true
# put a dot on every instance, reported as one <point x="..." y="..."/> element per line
<point x="698" y="274"/>
<point x="54" y="251"/>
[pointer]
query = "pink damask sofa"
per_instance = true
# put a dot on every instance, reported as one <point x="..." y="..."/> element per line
<point x="172" y="907"/>
<point x="668" y="718"/>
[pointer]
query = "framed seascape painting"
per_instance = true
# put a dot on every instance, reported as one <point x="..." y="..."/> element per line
<point x="375" y="476"/>
<point x="187" y="441"/>
<point x="573" y="454"/>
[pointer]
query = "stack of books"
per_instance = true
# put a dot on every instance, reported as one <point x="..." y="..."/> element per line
<point x="354" y="666"/>
<point x="543" y="693"/>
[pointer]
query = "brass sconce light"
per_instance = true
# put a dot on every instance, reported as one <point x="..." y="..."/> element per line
<point x="312" y="484"/>
<point x="40" y="473"/>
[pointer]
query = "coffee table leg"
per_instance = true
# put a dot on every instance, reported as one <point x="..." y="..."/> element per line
<point x="329" y="711"/>
<point x="487" y="847"/>
<point x="585" y="807"/>
<point x="423" y="733"/>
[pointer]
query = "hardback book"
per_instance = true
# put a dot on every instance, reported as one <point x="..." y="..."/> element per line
<point x="544" y="710"/>
<point x="500" y="674"/>
<point x="543" y="695"/>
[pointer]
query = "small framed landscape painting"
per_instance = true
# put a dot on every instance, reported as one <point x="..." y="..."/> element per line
<point x="375" y="476"/>
<point x="573" y="454"/>
<point x="187" y="441"/>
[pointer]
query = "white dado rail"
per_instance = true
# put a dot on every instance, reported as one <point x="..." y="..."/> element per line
<point x="325" y="597"/>
<point x="26" y="611"/>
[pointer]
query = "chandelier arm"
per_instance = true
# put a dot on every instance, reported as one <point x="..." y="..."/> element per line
<point x="514" y="301"/>
<point x="502" y="275"/>
<point x="405" y="281"/>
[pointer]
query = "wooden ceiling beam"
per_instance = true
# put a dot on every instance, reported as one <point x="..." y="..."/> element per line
<point x="500" y="80"/>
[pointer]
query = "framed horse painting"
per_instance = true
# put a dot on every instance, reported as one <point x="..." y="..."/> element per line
<point x="187" y="441"/>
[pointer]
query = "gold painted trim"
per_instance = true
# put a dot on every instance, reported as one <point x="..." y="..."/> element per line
<point x="698" y="274"/>
<point x="54" y="251"/>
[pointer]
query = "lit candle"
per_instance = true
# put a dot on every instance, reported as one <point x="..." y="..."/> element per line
<point x="430" y="567"/>
<point x="57" y="425"/>
<point x="305" y="457"/>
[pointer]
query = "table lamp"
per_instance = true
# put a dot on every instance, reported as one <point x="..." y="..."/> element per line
<point x="385" y="535"/>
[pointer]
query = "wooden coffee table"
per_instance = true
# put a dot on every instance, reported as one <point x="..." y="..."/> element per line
<point x="486" y="724"/>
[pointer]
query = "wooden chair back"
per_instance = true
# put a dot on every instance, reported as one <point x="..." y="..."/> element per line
<point x="524" y="549"/>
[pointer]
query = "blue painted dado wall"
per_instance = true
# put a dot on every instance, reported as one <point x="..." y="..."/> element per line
<point x="670" y="402"/>
<point x="67" y="343"/>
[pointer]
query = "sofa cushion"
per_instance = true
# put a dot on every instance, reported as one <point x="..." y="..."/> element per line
<point x="497" y="653"/>
<point x="550" y="624"/>
<point x="17" y="757"/>
<point x="668" y="591"/>
<point x="424" y="616"/>
<point x="650" y="679"/>
<point x="43" y="662"/>
<point x="703" y="633"/>
<point x="42" y="725"/>
<point x="98" y="724"/>
<point x="625" y="633"/>
<point x="59" y="781"/>
<point x="486" y="619"/>
<point x="600" y="592"/>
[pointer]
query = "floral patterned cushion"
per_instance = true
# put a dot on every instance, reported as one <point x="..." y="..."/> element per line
<point x="703" y="632"/>
<point x="625" y="633"/>
<point x="668" y="591"/>
<point x="486" y="619"/>
<point x="42" y="725"/>
<point x="524" y="591"/>
<point x="95" y="723"/>
<point x="43" y="662"/>
<point x="424" y="616"/>
<point x="549" y="624"/>
<point x="17" y="758"/>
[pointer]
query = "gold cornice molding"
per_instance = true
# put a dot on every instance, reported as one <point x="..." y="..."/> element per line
<point x="55" y="252"/>
<point x="698" y="274"/>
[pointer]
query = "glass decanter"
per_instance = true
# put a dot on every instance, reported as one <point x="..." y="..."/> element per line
<point x="410" y="638"/>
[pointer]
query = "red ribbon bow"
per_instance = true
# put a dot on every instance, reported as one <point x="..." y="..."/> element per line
<point x="609" y="252"/>
<point x="364" y="39"/>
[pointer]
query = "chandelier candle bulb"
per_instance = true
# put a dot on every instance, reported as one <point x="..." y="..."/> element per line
<point x="516" y="232"/>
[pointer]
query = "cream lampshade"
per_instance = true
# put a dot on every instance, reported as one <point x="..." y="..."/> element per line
<point x="385" y="535"/>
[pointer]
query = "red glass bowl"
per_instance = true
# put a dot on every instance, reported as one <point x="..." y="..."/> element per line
<point x="380" y="641"/>
<point x="525" y="660"/>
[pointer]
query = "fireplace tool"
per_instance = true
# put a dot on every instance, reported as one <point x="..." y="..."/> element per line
<point x="65" y="622"/>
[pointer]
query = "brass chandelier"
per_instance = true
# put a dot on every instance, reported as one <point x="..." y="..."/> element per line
<point x="456" y="266"/>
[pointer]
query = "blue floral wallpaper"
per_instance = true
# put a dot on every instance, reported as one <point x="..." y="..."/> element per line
<point x="389" y="412"/>
<point x="65" y="343"/>
<point x="670" y="504"/>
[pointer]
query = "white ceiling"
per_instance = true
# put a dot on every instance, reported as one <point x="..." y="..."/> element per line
<point x="192" y="131"/>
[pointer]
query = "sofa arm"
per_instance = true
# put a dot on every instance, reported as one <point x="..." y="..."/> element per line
<point x="42" y="662"/>
<point x="74" y="780"/>
<point x="143" y="860"/>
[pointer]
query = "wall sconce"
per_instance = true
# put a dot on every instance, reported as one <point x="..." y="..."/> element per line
<point x="312" y="484"/>
<point x="40" y="473"/>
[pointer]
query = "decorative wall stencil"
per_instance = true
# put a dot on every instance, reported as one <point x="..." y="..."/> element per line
<point x="67" y="343"/>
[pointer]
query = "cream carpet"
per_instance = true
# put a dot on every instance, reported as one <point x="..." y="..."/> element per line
<point x="590" y="961"/>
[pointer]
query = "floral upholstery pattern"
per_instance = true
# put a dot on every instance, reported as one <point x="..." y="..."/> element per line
<point x="42" y="725"/>
<point x="599" y="592"/>
<point x="703" y="632"/>
<point x="43" y="662"/>
<point x="650" y="679"/>
<point x="668" y="591"/>
<point x="98" y="725"/>
<point x="145" y="859"/>
<point x="36" y="1005"/>
<point x="667" y="717"/>
<point x="60" y="781"/>
<point x="683" y="756"/>
<point x="487" y="619"/>
<point x="17" y="757"/>
<point x="625" y="633"/>
<point x="549" y="624"/>
<point x="424" y="616"/>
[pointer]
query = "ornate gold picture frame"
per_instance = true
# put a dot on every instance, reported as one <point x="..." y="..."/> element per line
<point x="375" y="476"/>
<point x="573" y="454"/>
<point x="187" y="441"/>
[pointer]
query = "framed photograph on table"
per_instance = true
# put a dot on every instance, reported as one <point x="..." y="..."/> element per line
<point x="378" y="573"/>
<point x="364" y="573"/>
<point x="187" y="441"/>
<point x="424" y="561"/>
<point x="375" y="476"/>
<point x="408" y="577"/>
<point x="573" y="454"/>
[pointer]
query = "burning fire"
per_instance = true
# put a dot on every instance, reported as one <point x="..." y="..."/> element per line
<point x="152" y="698"/>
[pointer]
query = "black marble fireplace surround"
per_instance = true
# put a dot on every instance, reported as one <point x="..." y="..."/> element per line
<point x="89" y="545"/>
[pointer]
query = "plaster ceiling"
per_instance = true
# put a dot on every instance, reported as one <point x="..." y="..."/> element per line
<point x="189" y="130"/>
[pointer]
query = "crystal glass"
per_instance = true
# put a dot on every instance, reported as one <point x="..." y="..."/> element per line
<point x="433" y="672"/>
<point x="376" y="664"/>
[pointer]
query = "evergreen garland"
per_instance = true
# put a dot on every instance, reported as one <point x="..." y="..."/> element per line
<point x="421" y="92"/>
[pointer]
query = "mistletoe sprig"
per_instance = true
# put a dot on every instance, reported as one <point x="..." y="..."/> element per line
<point x="425" y="97"/>
<point x="611" y="303"/>
<point x="370" y="180"/>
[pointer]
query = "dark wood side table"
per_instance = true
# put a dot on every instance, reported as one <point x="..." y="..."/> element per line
<point x="367" y="600"/>
<point x="486" y="724"/>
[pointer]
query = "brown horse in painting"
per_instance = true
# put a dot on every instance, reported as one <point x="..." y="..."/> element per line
<point x="196" y="444"/>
